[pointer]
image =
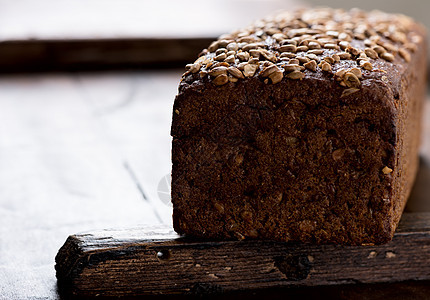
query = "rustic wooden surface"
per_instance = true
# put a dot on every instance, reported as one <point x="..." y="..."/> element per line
<point x="147" y="261"/>
<point x="87" y="151"/>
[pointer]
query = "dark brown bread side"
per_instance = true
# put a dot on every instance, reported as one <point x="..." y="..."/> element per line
<point x="302" y="127"/>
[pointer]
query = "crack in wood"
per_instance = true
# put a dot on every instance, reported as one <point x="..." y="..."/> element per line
<point x="140" y="189"/>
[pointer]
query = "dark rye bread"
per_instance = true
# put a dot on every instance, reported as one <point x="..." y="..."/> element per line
<point x="302" y="127"/>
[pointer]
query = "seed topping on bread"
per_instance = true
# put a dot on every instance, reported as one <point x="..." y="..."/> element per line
<point x="295" y="44"/>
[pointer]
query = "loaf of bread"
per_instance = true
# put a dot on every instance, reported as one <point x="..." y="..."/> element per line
<point x="304" y="127"/>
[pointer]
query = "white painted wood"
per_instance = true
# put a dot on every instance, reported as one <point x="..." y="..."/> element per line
<point x="59" y="174"/>
<point x="137" y="123"/>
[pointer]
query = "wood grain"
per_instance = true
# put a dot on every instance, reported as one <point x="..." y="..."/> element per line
<point x="150" y="262"/>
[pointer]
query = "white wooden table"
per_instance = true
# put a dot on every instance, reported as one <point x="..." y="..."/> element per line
<point x="77" y="152"/>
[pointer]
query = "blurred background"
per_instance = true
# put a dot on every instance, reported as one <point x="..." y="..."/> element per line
<point x="86" y="95"/>
<point x="102" y="34"/>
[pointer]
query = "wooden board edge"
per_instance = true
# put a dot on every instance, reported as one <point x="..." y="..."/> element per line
<point x="98" y="54"/>
<point x="181" y="266"/>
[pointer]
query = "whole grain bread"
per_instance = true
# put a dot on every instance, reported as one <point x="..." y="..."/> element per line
<point x="303" y="126"/>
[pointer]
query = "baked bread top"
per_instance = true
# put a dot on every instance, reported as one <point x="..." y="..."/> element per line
<point x="353" y="47"/>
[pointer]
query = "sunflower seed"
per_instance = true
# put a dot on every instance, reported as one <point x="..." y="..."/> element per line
<point x="249" y="70"/>
<point x="288" y="48"/>
<point x="229" y="59"/>
<point x="232" y="79"/>
<point x="332" y="33"/>
<point x="220" y="57"/>
<point x="254" y="53"/>
<point x="336" y="57"/>
<point x="352" y="50"/>
<point x="386" y="170"/>
<point x="268" y="70"/>
<point x="325" y="66"/>
<point x="405" y="54"/>
<point x="243" y="56"/>
<point x="217" y="71"/>
<point x="329" y="59"/>
<point x="312" y="56"/>
<point x="331" y="46"/>
<point x="349" y="91"/>
<point x="366" y="65"/>
<point x="344" y="36"/>
<point x="387" y="56"/>
<point x="220" y="79"/>
<point x="371" y="53"/>
<point x="378" y="49"/>
<point x="311" y="65"/>
<point x="253" y="60"/>
<point x="276" y="76"/>
<point x="193" y="68"/>
<point x="242" y="65"/>
<point x="297" y="75"/>
<point x="302" y="59"/>
<point x="278" y="37"/>
<point x="359" y="36"/>
<point x="218" y="64"/>
<point x="351" y="80"/>
<point x="344" y="55"/>
<point x="293" y="67"/>
<point x="287" y="54"/>
<point x="223" y="43"/>
<point x="232" y="46"/>
<point x="316" y="51"/>
<point x="246" y="39"/>
<point x="340" y="73"/>
<point x="314" y="45"/>
<point x="390" y="47"/>
<point x="220" y="51"/>
<point x="302" y="48"/>
<point x="213" y="46"/>
<point x="411" y="47"/>
<point x="235" y="72"/>
<point x="343" y="45"/>
<point x="368" y="43"/>
<point x="249" y="47"/>
<point x="287" y="42"/>
<point x="356" y="72"/>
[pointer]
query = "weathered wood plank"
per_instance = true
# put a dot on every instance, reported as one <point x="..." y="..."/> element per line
<point x="148" y="262"/>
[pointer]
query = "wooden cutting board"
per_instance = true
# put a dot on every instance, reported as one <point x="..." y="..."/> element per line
<point x="153" y="261"/>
